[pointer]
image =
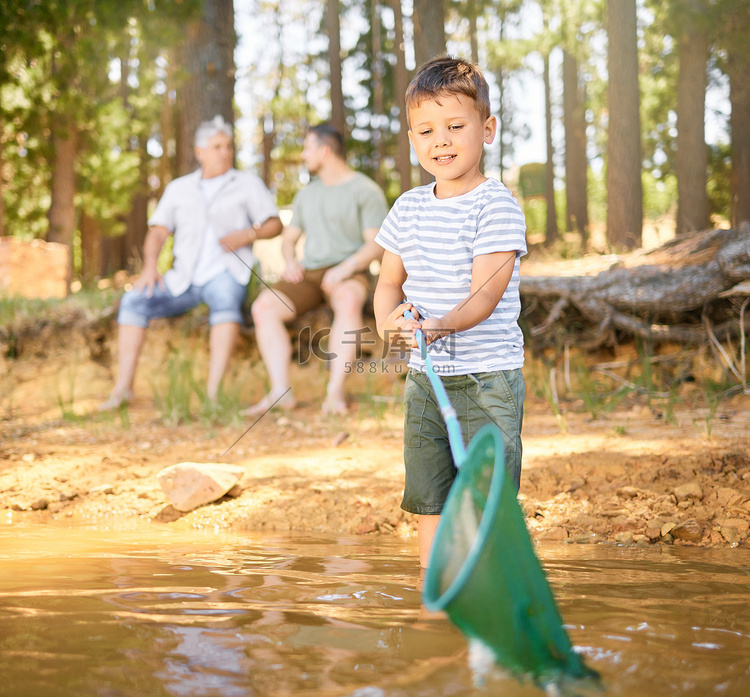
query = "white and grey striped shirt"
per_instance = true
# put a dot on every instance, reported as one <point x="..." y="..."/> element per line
<point x="437" y="240"/>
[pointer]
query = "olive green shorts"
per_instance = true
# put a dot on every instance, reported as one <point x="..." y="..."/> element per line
<point x="478" y="399"/>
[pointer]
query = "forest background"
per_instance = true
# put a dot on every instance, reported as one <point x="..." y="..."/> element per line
<point x="99" y="101"/>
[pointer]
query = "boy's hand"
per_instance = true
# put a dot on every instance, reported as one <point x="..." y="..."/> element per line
<point x="433" y="329"/>
<point x="400" y="331"/>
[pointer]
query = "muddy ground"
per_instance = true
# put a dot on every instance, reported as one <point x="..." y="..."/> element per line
<point x="632" y="476"/>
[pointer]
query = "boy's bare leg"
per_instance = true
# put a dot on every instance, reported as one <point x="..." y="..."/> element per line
<point x="129" y="344"/>
<point x="426" y="527"/>
<point x="347" y="302"/>
<point x="222" y="340"/>
<point x="270" y="314"/>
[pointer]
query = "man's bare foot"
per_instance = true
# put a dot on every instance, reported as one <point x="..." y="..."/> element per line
<point x="115" y="401"/>
<point x="334" y="405"/>
<point x="285" y="401"/>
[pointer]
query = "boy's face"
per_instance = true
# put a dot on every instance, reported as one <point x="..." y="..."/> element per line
<point x="448" y="138"/>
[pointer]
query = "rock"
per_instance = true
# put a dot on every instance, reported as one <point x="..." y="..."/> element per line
<point x="689" y="531"/>
<point x="188" y="485"/>
<point x="575" y="484"/>
<point x="726" y="496"/>
<point x="40" y="504"/>
<point x="627" y="492"/>
<point x="624" y="538"/>
<point x="691" y="490"/>
<point x="667" y="528"/>
<point x="739" y="524"/>
<point x="731" y="535"/>
<point x="556" y="534"/>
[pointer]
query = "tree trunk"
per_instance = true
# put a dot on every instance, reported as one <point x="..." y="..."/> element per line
<point x="471" y="12"/>
<point x="429" y="29"/>
<point x="207" y="57"/>
<point x="624" y="161"/>
<point x="552" y="233"/>
<point x="2" y="186"/>
<point x="338" y="118"/>
<point x="576" y="161"/>
<point x="91" y="236"/>
<point x="377" y="93"/>
<point x="691" y="161"/>
<point x="401" y="79"/>
<point x="428" y="17"/>
<point x="739" y="96"/>
<point x="62" y="211"/>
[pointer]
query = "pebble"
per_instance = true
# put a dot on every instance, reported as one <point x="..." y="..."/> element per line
<point x="689" y="531"/>
<point x="691" y="490"/>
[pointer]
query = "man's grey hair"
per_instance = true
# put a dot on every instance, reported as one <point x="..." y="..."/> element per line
<point x="208" y="129"/>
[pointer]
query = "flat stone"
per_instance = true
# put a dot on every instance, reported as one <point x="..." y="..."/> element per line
<point x="188" y="485"/>
<point x="691" y="490"/>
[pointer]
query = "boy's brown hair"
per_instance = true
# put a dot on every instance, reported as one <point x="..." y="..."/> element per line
<point x="449" y="76"/>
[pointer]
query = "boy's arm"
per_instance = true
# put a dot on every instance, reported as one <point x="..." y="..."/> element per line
<point x="389" y="302"/>
<point x="490" y="275"/>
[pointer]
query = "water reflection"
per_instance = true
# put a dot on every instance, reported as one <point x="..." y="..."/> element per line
<point x="160" y="612"/>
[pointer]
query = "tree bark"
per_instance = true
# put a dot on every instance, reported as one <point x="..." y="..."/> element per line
<point x="62" y="211"/>
<point x="338" y="118"/>
<point x="552" y="232"/>
<point x="691" y="161"/>
<point x="428" y="17"/>
<point x="377" y="94"/>
<point x="429" y="29"/>
<point x="91" y="236"/>
<point x="207" y="58"/>
<point x="576" y="161"/>
<point x="739" y="96"/>
<point x="2" y="186"/>
<point x="624" y="161"/>
<point x="401" y="79"/>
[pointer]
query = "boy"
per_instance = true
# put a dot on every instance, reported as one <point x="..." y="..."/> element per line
<point x="452" y="249"/>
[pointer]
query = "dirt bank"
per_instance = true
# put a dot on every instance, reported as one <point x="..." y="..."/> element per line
<point x="630" y="477"/>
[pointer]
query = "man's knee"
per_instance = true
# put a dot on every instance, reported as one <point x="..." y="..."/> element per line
<point x="349" y="297"/>
<point x="270" y="305"/>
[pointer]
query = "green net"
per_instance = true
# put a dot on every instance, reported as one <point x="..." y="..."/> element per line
<point x="484" y="574"/>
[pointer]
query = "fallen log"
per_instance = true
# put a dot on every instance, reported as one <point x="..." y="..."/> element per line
<point x="680" y="292"/>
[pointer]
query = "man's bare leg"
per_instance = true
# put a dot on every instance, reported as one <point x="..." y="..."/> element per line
<point x="222" y="340"/>
<point x="271" y="311"/>
<point x="347" y="302"/>
<point x="129" y="344"/>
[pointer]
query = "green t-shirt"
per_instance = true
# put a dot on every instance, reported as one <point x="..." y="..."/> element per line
<point x="333" y="218"/>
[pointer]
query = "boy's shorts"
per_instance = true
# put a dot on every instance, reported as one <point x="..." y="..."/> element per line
<point x="223" y="295"/>
<point x="478" y="399"/>
<point x="307" y="294"/>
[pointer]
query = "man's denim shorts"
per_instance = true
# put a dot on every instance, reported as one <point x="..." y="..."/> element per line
<point x="223" y="295"/>
<point x="478" y="399"/>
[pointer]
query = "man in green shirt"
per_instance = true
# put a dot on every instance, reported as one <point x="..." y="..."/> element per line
<point x="340" y="213"/>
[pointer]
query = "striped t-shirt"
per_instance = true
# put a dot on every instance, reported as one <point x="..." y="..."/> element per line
<point x="437" y="240"/>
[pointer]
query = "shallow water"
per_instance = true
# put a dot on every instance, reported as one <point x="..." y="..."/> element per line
<point x="155" y="611"/>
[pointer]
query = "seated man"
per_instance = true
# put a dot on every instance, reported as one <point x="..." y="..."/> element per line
<point x="215" y="215"/>
<point x="340" y="213"/>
